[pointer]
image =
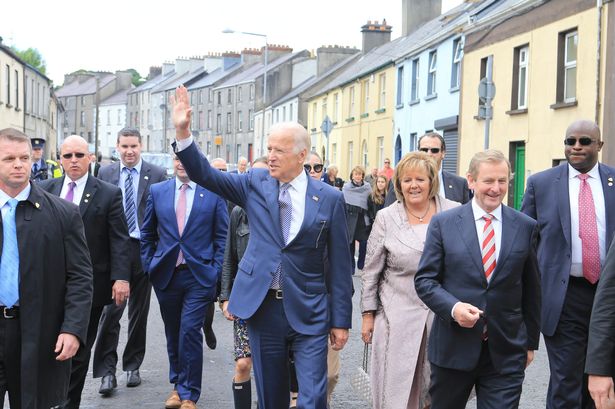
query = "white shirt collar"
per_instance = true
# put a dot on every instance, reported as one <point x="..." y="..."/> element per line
<point x="300" y="181"/>
<point x="479" y="212"/>
<point x="21" y="196"/>
<point x="179" y="183"/>
<point x="137" y="167"/>
<point x="593" y="173"/>
<point x="79" y="182"/>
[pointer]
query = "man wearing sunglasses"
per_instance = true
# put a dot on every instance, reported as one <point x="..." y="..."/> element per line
<point x="106" y="233"/>
<point x="570" y="203"/>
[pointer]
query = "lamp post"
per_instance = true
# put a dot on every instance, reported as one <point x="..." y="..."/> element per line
<point x="229" y="31"/>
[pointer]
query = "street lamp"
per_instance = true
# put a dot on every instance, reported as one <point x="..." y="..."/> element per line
<point x="229" y="31"/>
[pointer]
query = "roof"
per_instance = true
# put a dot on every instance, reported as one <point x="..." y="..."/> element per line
<point x="85" y="87"/>
<point x="119" y="98"/>
<point x="10" y="52"/>
<point x="214" y="76"/>
<point x="176" y="79"/>
<point x="149" y="84"/>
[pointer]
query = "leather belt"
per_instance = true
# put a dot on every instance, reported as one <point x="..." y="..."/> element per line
<point x="276" y="294"/>
<point x="9" y="313"/>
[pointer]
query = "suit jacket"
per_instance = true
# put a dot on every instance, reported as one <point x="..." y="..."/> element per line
<point x="601" y="342"/>
<point x="55" y="292"/>
<point x="106" y="233"/>
<point x="451" y="270"/>
<point x="202" y="241"/>
<point x="306" y="286"/>
<point x="547" y="200"/>
<point x="149" y="175"/>
<point x="455" y="189"/>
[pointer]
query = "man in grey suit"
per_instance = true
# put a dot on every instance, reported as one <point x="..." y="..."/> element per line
<point x="134" y="177"/>
<point x="452" y="187"/>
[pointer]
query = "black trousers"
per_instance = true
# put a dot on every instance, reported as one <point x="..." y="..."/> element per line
<point x="105" y="352"/>
<point x="81" y="361"/>
<point x="10" y="361"/>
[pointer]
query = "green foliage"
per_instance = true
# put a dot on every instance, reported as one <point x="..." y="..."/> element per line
<point x="136" y="77"/>
<point x="33" y="57"/>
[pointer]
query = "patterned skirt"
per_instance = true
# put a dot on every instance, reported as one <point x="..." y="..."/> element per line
<point x="241" y="344"/>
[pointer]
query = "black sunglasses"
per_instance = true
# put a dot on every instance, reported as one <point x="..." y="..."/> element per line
<point x="79" y="155"/>
<point x="317" y="168"/>
<point x="583" y="141"/>
<point x="432" y="150"/>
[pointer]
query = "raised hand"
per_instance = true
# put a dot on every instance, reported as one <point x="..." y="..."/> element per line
<point x="182" y="112"/>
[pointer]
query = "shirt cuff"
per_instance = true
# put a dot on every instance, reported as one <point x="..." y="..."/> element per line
<point x="453" y="310"/>
<point x="184" y="143"/>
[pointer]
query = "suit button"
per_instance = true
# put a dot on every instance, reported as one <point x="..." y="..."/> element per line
<point x="563" y="281"/>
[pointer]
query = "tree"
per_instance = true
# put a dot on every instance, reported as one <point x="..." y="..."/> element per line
<point x="33" y="57"/>
<point x="136" y="77"/>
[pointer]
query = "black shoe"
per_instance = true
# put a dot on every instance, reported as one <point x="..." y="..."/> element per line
<point x="133" y="378"/>
<point x="210" y="338"/>
<point x="107" y="384"/>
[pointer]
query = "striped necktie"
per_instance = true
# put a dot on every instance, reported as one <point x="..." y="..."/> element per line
<point x="129" y="201"/>
<point x="286" y="215"/>
<point x="488" y="247"/>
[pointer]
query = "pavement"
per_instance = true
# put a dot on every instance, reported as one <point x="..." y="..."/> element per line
<point x="218" y="371"/>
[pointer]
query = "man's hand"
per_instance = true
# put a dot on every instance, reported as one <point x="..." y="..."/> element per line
<point x="530" y="358"/>
<point x="182" y="112"/>
<point x="466" y="314"/>
<point x="120" y="291"/>
<point x="601" y="390"/>
<point x="225" y="311"/>
<point x="367" y="328"/>
<point x="338" y="337"/>
<point x="67" y="346"/>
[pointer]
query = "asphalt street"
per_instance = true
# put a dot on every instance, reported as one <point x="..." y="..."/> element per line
<point x="218" y="371"/>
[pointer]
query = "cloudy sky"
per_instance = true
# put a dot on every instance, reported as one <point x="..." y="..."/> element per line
<point x="119" y="34"/>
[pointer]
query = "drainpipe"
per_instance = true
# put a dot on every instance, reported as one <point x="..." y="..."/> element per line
<point x="599" y="7"/>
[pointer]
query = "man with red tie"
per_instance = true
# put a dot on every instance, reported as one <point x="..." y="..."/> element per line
<point x="182" y="250"/>
<point x="479" y="275"/>
<point x="569" y="202"/>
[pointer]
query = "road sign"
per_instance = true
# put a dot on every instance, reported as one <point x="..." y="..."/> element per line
<point x="486" y="89"/>
<point x="327" y="126"/>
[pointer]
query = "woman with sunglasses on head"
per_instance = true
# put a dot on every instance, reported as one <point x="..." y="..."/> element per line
<point x="395" y="320"/>
<point x="356" y="192"/>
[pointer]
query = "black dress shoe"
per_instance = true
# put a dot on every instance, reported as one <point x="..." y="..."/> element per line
<point x="107" y="384"/>
<point x="210" y="338"/>
<point x="133" y="378"/>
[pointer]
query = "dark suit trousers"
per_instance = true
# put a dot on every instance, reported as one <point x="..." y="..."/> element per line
<point x="271" y="340"/>
<point x="567" y="348"/>
<point x="182" y="306"/>
<point x="10" y="361"/>
<point x="450" y="388"/>
<point x="105" y="353"/>
<point x="81" y="361"/>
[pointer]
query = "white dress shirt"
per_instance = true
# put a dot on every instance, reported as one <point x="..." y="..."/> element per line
<point x="574" y="186"/>
<point x="297" y="191"/>
<point x="77" y="191"/>
<point x="189" y="197"/>
<point x="442" y="191"/>
<point x="480" y="225"/>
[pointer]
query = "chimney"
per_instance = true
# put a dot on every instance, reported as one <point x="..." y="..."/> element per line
<point x="375" y="35"/>
<point x="212" y="61"/>
<point x="328" y="56"/>
<point x="229" y="59"/>
<point x="275" y="51"/>
<point x="123" y="80"/>
<point x="154" y="72"/>
<point x="415" y="13"/>
<point x="182" y="65"/>
<point x="167" y="68"/>
<point x="250" y="56"/>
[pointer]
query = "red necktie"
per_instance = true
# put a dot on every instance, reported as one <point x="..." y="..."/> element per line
<point x="588" y="231"/>
<point x="488" y="247"/>
<point x="180" y="213"/>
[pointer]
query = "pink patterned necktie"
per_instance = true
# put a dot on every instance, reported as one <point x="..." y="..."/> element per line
<point x="180" y="213"/>
<point x="488" y="246"/>
<point x="588" y="231"/>
<point x="70" y="195"/>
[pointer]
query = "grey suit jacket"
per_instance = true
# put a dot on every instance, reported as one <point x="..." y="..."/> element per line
<point x="149" y="175"/>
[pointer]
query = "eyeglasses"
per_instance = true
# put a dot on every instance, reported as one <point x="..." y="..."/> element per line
<point x="432" y="150"/>
<point x="78" y="155"/>
<point x="583" y="141"/>
<point x="317" y="167"/>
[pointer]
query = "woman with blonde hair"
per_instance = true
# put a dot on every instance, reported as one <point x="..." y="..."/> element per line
<point x="356" y="192"/>
<point x="375" y="201"/>
<point x="395" y="320"/>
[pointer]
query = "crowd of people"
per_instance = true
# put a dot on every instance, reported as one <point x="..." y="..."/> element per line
<point x="455" y="286"/>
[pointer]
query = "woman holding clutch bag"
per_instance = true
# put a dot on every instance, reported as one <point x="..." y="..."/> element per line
<point x="395" y="320"/>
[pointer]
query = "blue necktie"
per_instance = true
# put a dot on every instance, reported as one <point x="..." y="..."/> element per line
<point x="9" y="265"/>
<point x="286" y="215"/>
<point x="129" y="201"/>
<point x="35" y="168"/>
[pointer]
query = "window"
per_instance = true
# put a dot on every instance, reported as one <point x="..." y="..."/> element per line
<point x="218" y="123"/>
<point x="314" y="113"/>
<point x="336" y="106"/>
<point x="251" y="92"/>
<point x="413" y="142"/>
<point x="364" y="154"/>
<point x="351" y="104"/>
<point x="382" y="102"/>
<point x="210" y="96"/>
<point x="83" y="100"/>
<point x="456" y="69"/>
<point x="324" y="108"/>
<point x="239" y="94"/>
<point x="16" y="89"/>
<point x="8" y="85"/>
<point x="219" y="97"/>
<point x="119" y="117"/>
<point x="251" y="119"/>
<point x="350" y="155"/>
<point x="567" y="67"/>
<point x="365" y="107"/>
<point x="209" y="118"/>
<point x="149" y="119"/>
<point x="400" y="86"/>
<point x="201" y="119"/>
<point x="229" y="123"/>
<point x="380" y="151"/>
<point x="229" y="96"/>
<point x="520" y="76"/>
<point x="108" y="117"/>
<point x="200" y="96"/>
<point x="82" y="122"/>
<point x="333" y="152"/>
<point x="414" y="91"/>
<point x="431" y="74"/>
<point x="239" y="121"/>
<point x="284" y="114"/>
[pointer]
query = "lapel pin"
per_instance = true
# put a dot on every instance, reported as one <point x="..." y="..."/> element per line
<point x="37" y="205"/>
<point x="201" y="195"/>
<point x="610" y="183"/>
<point x="450" y="186"/>
<point x="146" y="177"/>
<point x="86" y="200"/>
<point x="315" y="198"/>
<point x="87" y="195"/>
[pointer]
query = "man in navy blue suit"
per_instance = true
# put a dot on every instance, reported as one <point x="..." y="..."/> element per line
<point x="182" y="249"/>
<point x="479" y="275"/>
<point x="574" y="237"/>
<point x="281" y="287"/>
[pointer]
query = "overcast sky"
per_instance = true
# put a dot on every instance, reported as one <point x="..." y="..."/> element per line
<point x="121" y="34"/>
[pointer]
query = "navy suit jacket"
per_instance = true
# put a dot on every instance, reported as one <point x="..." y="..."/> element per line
<point x="202" y="241"/>
<point x="451" y="270"/>
<point x="547" y="200"/>
<point x="306" y="285"/>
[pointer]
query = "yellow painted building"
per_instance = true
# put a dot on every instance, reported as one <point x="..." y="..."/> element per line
<point x="11" y="90"/>
<point x="545" y="70"/>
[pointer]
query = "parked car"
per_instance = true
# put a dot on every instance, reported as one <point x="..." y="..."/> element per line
<point x="164" y="160"/>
